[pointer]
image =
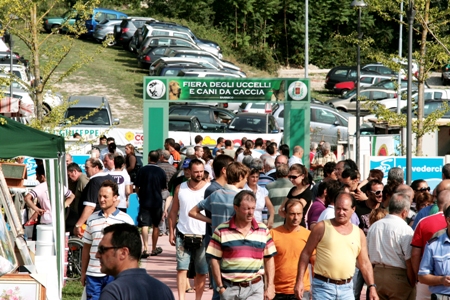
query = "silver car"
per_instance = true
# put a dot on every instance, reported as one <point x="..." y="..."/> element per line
<point x="105" y="29"/>
<point x="326" y="124"/>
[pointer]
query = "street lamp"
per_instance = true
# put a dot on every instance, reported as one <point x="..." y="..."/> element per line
<point x="359" y="5"/>
<point x="411" y="16"/>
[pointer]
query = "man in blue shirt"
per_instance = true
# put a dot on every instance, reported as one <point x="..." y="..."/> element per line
<point x="119" y="252"/>
<point x="434" y="269"/>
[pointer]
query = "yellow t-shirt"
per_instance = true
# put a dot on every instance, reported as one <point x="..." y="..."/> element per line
<point x="289" y="247"/>
<point x="337" y="253"/>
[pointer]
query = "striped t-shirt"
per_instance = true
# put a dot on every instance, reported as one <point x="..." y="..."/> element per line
<point x="242" y="257"/>
<point x="93" y="235"/>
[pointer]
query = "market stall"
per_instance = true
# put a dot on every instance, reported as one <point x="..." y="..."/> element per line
<point x="21" y="140"/>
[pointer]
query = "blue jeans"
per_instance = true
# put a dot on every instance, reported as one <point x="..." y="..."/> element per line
<point x="329" y="291"/>
<point x="184" y="257"/>
<point x="358" y="283"/>
<point x="94" y="286"/>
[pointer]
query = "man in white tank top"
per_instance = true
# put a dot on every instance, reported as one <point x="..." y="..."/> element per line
<point x="187" y="235"/>
<point x="338" y="244"/>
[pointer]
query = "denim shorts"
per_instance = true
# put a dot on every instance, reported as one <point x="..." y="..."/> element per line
<point x="329" y="291"/>
<point x="94" y="285"/>
<point x="184" y="257"/>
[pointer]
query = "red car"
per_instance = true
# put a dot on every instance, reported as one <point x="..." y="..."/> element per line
<point x="344" y="87"/>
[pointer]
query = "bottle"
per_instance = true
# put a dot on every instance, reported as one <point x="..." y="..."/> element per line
<point x="265" y="215"/>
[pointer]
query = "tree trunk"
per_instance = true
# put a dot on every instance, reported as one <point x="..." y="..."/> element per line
<point x="286" y="34"/>
<point x="421" y="78"/>
<point x="38" y="90"/>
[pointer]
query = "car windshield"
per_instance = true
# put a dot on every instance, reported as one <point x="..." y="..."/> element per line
<point x="100" y="117"/>
<point x="349" y="94"/>
<point x="248" y="124"/>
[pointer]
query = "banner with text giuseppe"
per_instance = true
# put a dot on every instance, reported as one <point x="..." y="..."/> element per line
<point x="426" y="168"/>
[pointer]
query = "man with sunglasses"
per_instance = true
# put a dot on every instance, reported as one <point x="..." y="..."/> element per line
<point x="424" y="231"/>
<point x="119" y="252"/>
<point x="374" y="195"/>
<point x="92" y="277"/>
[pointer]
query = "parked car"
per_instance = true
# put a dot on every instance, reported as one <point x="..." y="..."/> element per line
<point x="20" y="71"/>
<point x="257" y="107"/>
<point x="326" y="123"/>
<point x="171" y="66"/>
<point x="184" y="123"/>
<point x="365" y="80"/>
<point x="429" y="106"/>
<point x="99" y="15"/>
<point x="428" y="94"/>
<point x="341" y="74"/>
<point x="83" y="106"/>
<point x="393" y="84"/>
<point x="155" y="41"/>
<point x="127" y="28"/>
<point x="347" y="102"/>
<point x="105" y="29"/>
<point x="204" y="73"/>
<point x="50" y="100"/>
<point x="380" y="69"/>
<point x="157" y="47"/>
<point x="212" y="119"/>
<point x="150" y="31"/>
<point x="206" y="45"/>
<point x="445" y="76"/>
<point x="55" y="23"/>
<point x="207" y="56"/>
<point x="253" y="123"/>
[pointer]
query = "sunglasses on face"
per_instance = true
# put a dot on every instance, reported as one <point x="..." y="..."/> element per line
<point x="293" y="177"/>
<point x="423" y="189"/>
<point x="103" y="249"/>
<point x="377" y="193"/>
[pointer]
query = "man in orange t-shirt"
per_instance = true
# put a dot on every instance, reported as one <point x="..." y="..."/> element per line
<point x="169" y="145"/>
<point x="290" y="239"/>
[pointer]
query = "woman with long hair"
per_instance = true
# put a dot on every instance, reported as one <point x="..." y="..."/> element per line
<point x="248" y="147"/>
<point x="262" y="197"/>
<point x="130" y="161"/>
<point x="298" y="175"/>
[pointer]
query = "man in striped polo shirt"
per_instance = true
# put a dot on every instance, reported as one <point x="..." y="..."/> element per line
<point x="241" y="252"/>
<point x="91" y="276"/>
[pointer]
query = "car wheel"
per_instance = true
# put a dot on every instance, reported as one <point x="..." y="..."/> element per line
<point x="130" y="48"/>
<point x="46" y="110"/>
<point x="344" y="91"/>
<point x="111" y="40"/>
<point x="56" y="28"/>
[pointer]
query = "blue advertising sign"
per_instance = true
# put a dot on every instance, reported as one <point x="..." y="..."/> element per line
<point x="80" y="159"/>
<point x="31" y="166"/>
<point x="426" y="168"/>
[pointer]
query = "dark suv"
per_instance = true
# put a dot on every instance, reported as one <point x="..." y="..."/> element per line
<point x="177" y="27"/>
<point x="212" y="118"/>
<point x="341" y="74"/>
<point x="125" y="31"/>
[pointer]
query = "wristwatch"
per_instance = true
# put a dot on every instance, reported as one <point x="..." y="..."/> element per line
<point x="372" y="285"/>
<point x="219" y="288"/>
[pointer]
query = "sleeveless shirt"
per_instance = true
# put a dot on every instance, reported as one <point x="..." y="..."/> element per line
<point x="336" y="253"/>
<point x="188" y="199"/>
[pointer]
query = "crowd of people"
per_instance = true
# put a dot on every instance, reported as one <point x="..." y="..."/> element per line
<point x="258" y="224"/>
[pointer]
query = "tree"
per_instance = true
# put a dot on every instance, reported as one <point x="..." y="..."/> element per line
<point x="24" y="19"/>
<point x="431" y="32"/>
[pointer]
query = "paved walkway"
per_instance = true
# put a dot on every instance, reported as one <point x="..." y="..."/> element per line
<point x="163" y="267"/>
